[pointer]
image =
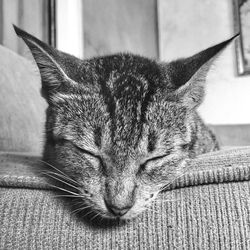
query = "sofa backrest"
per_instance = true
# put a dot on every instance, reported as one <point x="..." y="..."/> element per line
<point x="22" y="109"/>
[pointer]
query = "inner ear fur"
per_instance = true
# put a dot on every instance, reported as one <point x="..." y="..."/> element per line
<point x="188" y="75"/>
<point x="57" y="69"/>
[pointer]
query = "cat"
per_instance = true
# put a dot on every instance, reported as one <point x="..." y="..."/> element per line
<point x="121" y="127"/>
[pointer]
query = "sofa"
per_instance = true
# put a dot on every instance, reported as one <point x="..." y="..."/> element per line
<point x="206" y="208"/>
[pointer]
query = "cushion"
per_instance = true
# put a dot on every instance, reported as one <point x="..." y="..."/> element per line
<point x="206" y="208"/>
<point x="22" y="112"/>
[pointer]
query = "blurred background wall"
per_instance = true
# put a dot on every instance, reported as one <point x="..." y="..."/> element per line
<point x="116" y="25"/>
<point x="185" y="27"/>
<point x="30" y="15"/>
<point x="160" y="29"/>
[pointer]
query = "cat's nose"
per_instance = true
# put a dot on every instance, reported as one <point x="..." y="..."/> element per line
<point x="117" y="211"/>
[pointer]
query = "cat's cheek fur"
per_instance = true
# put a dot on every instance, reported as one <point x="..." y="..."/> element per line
<point x="146" y="195"/>
<point x="144" y="200"/>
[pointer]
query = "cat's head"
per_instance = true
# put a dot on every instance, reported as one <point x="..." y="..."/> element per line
<point x="119" y="125"/>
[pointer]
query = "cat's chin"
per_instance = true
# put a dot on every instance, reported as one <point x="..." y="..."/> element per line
<point x="126" y="217"/>
<point x="120" y="218"/>
<point x="109" y="216"/>
<point x="134" y="212"/>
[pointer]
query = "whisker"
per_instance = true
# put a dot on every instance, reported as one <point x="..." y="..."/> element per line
<point x="86" y="205"/>
<point x="65" y="190"/>
<point x="172" y="200"/>
<point x="48" y="164"/>
<point x="67" y="195"/>
<point x="80" y="209"/>
<point x="61" y="181"/>
<point x="102" y="218"/>
<point x="76" y="203"/>
<point x="75" y="211"/>
<point x="92" y="218"/>
<point x="59" y="175"/>
<point x="90" y="212"/>
<point x="170" y="183"/>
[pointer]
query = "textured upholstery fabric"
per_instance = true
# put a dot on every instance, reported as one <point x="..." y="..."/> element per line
<point x="207" y="208"/>
<point x="22" y="110"/>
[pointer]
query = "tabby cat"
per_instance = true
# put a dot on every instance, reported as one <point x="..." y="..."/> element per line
<point x="121" y="127"/>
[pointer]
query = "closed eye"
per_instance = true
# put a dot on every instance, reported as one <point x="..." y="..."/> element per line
<point x="93" y="155"/>
<point x="85" y="151"/>
<point x="156" y="158"/>
<point x="143" y="165"/>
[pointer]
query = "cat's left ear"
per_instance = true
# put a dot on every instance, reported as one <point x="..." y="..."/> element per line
<point x="57" y="69"/>
<point x="187" y="76"/>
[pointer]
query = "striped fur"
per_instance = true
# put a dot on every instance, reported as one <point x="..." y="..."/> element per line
<point x="124" y="126"/>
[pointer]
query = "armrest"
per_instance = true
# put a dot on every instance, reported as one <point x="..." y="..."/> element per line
<point x="207" y="208"/>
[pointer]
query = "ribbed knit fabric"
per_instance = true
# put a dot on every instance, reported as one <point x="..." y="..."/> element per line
<point x="208" y="208"/>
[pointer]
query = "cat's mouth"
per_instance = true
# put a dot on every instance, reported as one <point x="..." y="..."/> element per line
<point x="131" y="210"/>
<point x="117" y="211"/>
<point x="120" y="215"/>
<point x="124" y="215"/>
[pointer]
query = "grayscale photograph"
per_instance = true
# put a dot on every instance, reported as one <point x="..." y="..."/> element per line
<point x="124" y="124"/>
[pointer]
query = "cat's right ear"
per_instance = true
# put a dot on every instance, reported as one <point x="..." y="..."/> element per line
<point x="188" y="75"/>
<point x="56" y="68"/>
